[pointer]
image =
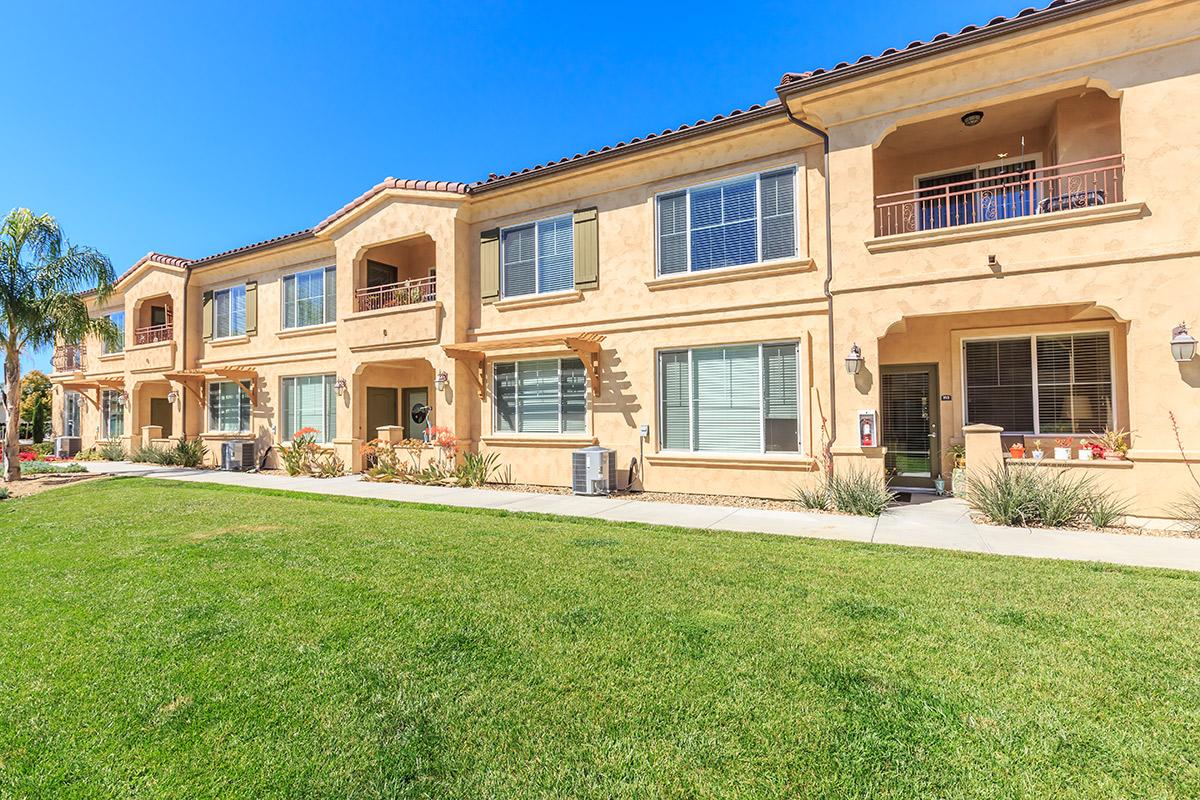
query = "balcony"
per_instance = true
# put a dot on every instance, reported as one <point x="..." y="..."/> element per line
<point x="394" y="295"/>
<point x="152" y="334"/>
<point x="1002" y="195"/>
<point x="68" y="358"/>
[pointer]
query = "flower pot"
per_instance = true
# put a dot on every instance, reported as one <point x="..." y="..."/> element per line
<point x="1038" y="455"/>
<point x="1113" y="455"/>
<point x="958" y="481"/>
<point x="1062" y="453"/>
<point x="1017" y="451"/>
<point x="939" y="484"/>
<point x="1085" y="455"/>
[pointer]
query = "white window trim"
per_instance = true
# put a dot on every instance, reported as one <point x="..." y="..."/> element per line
<point x="283" y="326"/>
<point x="1033" y="337"/>
<point x="687" y="195"/>
<point x="106" y="418"/>
<point x="537" y="274"/>
<point x="283" y="412"/>
<point x="216" y="292"/>
<point x="801" y="418"/>
<point x="242" y="398"/>
<point x="516" y="431"/>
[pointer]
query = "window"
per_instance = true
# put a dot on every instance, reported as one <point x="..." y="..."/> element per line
<point x="740" y="221"/>
<point x="543" y="396"/>
<point x="112" y="414"/>
<point x="309" y="298"/>
<point x="117" y="318"/>
<point x="538" y="258"/>
<point x="734" y="399"/>
<point x="310" y="402"/>
<point x="1057" y="383"/>
<point x="229" y="312"/>
<point x="71" y="414"/>
<point x="228" y="407"/>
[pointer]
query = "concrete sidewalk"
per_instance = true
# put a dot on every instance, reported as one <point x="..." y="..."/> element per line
<point x="942" y="522"/>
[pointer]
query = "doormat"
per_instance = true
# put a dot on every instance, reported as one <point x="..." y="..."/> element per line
<point x="903" y="497"/>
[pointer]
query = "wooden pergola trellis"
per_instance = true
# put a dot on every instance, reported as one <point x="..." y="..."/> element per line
<point x="194" y="380"/>
<point x="84" y="388"/>
<point x="584" y="345"/>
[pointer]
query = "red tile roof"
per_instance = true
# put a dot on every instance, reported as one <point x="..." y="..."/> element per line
<point x="161" y="258"/>
<point x="792" y="82"/>
<point x="248" y="248"/>
<point x="391" y="183"/>
<point x="756" y="111"/>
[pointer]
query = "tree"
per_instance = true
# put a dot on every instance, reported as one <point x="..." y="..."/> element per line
<point x="42" y="278"/>
<point x="36" y="403"/>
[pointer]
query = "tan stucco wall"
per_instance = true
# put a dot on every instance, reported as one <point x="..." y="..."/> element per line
<point x="1121" y="80"/>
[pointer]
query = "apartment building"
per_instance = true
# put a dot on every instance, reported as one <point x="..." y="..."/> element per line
<point x="996" y="226"/>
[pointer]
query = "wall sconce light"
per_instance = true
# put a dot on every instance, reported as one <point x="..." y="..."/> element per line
<point x="339" y="386"/>
<point x="854" y="361"/>
<point x="441" y="379"/>
<point x="972" y="118"/>
<point x="1183" y="344"/>
<point x="172" y="396"/>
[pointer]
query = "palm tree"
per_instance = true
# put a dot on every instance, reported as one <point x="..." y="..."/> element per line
<point x="42" y="277"/>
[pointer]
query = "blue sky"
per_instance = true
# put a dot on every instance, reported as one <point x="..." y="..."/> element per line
<point x="193" y="128"/>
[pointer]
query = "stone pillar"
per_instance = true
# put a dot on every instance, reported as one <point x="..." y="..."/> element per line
<point x="392" y="434"/>
<point x="150" y="433"/>
<point x="985" y="454"/>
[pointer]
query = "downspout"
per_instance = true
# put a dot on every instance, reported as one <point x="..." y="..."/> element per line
<point x="828" y="281"/>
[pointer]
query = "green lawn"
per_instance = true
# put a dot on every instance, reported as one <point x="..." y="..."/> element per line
<point x="160" y="639"/>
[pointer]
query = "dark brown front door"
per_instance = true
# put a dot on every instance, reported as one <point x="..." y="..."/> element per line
<point x="381" y="409"/>
<point x="160" y="414"/>
<point x="909" y="423"/>
<point x="414" y="397"/>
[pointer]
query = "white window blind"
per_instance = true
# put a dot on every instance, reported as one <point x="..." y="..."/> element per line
<point x="740" y="221"/>
<point x="229" y="312"/>
<point x="309" y="298"/>
<point x="538" y="258"/>
<point x="1054" y="383"/>
<point x="540" y="396"/>
<point x="735" y="399"/>
<point x="228" y="408"/>
<point x="310" y="401"/>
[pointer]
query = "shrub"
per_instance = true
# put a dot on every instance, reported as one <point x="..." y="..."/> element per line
<point x="1104" y="510"/>
<point x="297" y="457"/>
<point x="326" y="464"/>
<point x="46" y="468"/>
<point x="189" y="452"/>
<point x="859" y="492"/>
<point x="1004" y="496"/>
<point x="476" y="469"/>
<point x="91" y="454"/>
<point x="1188" y="511"/>
<point x="1061" y="498"/>
<point x="147" y="454"/>
<point x="3" y="492"/>
<point x="814" y="497"/>
<point x="112" y="451"/>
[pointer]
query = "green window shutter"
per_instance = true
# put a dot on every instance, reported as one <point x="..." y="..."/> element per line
<point x="207" y="315"/>
<point x="489" y="265"/>
<point x="251" y="308"/>
<point x="330" y="296"/>
<point x="587" y="249"/>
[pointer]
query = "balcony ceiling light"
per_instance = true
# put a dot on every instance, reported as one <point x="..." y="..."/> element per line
<point x="972" y="118"/>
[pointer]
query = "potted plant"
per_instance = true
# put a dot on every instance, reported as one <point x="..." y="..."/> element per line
<point x="1114" y="442"/>
<point x="939" y="485"/>
<point x="1085" y="450"/>
<point x="1062" y="449"/>
<point x="1038" y="453"/>
<point x="1016" y="450"/>
<point x="958" y="475"/>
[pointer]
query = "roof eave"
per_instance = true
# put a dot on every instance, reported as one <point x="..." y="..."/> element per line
<point x="789" y="89"/>
<point x="743" y="118"/>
